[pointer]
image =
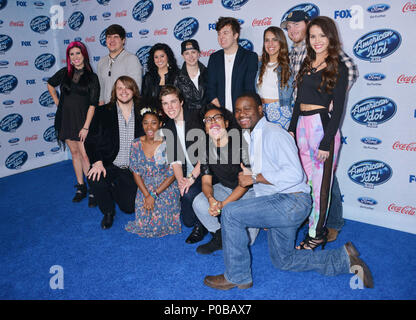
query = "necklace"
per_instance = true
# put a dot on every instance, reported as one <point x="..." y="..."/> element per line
<point x="313" y="70"/>
<point x="112" y="60"/>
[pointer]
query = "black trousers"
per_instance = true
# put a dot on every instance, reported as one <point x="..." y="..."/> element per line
<point x="117" y="187"/>
<point x="188" y="215"/>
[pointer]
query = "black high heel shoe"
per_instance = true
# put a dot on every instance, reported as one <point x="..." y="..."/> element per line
<point x="310" y="243"/>
<point x="81" y="192"/>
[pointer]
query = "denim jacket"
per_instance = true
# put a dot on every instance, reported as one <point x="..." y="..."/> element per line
<point x="285" y="94"/>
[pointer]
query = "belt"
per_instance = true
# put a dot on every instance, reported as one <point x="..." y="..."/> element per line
<point x="123" y="167"/>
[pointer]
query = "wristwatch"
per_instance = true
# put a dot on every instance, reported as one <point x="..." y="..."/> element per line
<point x="254" y="177"/>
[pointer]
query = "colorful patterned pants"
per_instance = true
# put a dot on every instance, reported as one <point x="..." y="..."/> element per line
<point x="309" y="133"/>
<point x="278" y="114"/>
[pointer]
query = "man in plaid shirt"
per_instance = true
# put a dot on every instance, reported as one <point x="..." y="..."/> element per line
<point x="295" y="24"/>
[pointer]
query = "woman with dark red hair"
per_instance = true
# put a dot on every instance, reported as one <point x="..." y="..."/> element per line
<point x="79" y="94"/>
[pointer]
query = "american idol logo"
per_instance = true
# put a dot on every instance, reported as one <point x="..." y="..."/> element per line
<point x="367" y="201"/>
<point x="45" y="61"/>
<point x="11" y="122"/>
<point x="186" y="28"/>
<point x="246" y="44"/>
<point x="8" y="83"/>
<point x="373" y="111"/>
<point x="49" y="134"/>
<point x="142" y="10"/>
<point x="76" y="20"/>
<point x="370" y="173"/>
<point x="378" y="8"/>
<point x="370" y="141"/>
<point x="3" y="4"/>
<point x="375" y="76"/>
<point x="5" y="43"/>
<point x="16" y="160"/>
<point x="103" y="2"/>
<point x="45" y="99"/>
<point x="143" y="55"/>
<point x="40" y="24"/>
<point x="311" y="9"/>
<point x="233" y="4"/>
<point x="377" y="45"/>
<point x="102" y="38"/>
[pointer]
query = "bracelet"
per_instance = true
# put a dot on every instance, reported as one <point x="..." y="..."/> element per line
<point x="191" y="176"/>
<point x="85" y="129"/>
<point x="153" y="194"/>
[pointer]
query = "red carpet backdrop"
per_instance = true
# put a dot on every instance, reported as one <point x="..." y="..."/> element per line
<point x="376" y="172"/>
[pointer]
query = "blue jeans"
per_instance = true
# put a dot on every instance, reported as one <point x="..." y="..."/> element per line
<point x="282" y="214"/>
<point x="334" y="219"/>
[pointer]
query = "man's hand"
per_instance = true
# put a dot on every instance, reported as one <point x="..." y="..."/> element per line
<point x="244" y="177"/>
<point x="96" y="171"/>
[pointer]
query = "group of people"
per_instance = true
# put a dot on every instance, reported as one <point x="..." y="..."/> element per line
<point x="244" y="144"/>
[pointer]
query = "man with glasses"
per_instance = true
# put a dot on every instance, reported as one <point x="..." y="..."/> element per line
<point x="119" y="62"/>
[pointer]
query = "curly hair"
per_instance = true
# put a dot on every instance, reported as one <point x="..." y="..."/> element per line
<point x="330" y="73"/>
<point x="282" y="58"/>
<point x="173" y="66"/>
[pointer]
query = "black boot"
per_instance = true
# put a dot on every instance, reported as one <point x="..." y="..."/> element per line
<point x="107" y="221"/>
<point x="92" y="201"/>
<point x="81" y="192"/>
<point x="197" y="234"/>
<point x="213" y="245"/>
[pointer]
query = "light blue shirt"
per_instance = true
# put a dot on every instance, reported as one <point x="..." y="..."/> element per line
<point x="274" y="154"/>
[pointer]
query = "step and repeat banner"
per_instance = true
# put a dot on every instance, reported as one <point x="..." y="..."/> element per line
<point x="377" y="171"/>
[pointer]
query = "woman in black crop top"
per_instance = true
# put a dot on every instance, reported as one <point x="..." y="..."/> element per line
<point x="322" y="79"/>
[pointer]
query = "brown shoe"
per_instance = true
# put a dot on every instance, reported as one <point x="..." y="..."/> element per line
<point x="332" y="234"/>
<point x="219" y="282"/>
<point x="365" y="275"/>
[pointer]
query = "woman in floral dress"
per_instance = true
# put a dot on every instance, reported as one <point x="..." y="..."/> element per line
<point x="157" y="203"/>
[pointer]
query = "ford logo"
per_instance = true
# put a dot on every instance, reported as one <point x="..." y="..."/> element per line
<point x="377" y="8"/>
<point x="102" y="38"/>
<point x="51" y="115"/>
<point x="185" y="2"/>
<point x="311" y="9"/>
<point x="40" y="24"/>
<point x="8" y="83"/>
<point x="45" y="61"/>
<point x="367" y="201"/>
<point x="369" y="173"/>
<point x="5" y="43"/>
<point x="233" y="4"/>
<point x="143" y="55"/>
<point x="376" y="45"/>
<point x="142" y="10"/>
<point x="106" y="15"/>
<point x="3" y="4"/>
<point x="43" y="42"/>
<point x="49" y="134"/>
<point x="4" y="63"/>
<point x="103" y="2"/>
<point x="246" y="44"/>
<point x="8" y="102"/>
<point x="55" y="149"/>
<point x="143" y="32"/>
<point x="186" y="28"/>
<point x="370" y="141"/>
<point x="374" y="76"/>
<point x="1" y="22"/>
<point x="76" y="20"/>
<point x="38" y="4"/>
<point x="14" y="140"/>
<point x="45" y="99"/>
<point x="16" y="160"/>
<point x="11" y="122"/>
<point x="373" y="110"/>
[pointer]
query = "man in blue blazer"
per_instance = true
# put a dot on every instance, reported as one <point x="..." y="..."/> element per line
<point x="232" y="70"/>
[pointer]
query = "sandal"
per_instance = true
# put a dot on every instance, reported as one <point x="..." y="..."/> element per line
<point x="310" y="243"/>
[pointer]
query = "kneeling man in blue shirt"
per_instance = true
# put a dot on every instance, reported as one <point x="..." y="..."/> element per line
<point x="281" y="205"/>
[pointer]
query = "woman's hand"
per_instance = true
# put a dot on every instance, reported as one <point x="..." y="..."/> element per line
<point x="83" y="134"/>
<point x="148" y="204"/>
<point x="96" y="171"/>
<point x="322" y="155"/>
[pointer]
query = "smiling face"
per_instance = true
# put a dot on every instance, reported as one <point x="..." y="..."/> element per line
<point x="296" y="31"/>
<point x="123" y="93"/>
<point x="151" y="125"/>
<point x="114" y="43"/>
<point x="215" y="125"/>
<point x="271" y="45"/>
<point x="172" y="106"/>
<point x="161" y="59"/>
<point x="247" y="113"/>
<point x="227" y="39"/>
<point x="191" y="57"/>
<point x="76" y="58"/>
<point x="318" y="40"/>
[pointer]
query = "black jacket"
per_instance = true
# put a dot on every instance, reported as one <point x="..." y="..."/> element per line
<point x="103" y="140"/>
<point x="151" y="88"/>
<point x="195" y="98"/>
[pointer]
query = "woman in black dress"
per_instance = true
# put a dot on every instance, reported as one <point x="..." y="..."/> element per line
<point x="79" y="94"/>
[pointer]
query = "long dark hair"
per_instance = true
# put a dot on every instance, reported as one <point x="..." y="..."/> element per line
<point x="330" y="73"/>
<point x="282" y="58"/>
<point x="173" y="66"/>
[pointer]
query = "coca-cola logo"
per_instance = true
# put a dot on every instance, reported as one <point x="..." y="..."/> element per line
<point x="404" y="79"/>
<point x="370" y="173"/>
<point x="267" y="21"/>
<point x="163" y="31"/>
<point x="409" y="210"/>
<point x="206" y="53"/>
<point x="404" y="146"/>
<point x="409" y="7"/>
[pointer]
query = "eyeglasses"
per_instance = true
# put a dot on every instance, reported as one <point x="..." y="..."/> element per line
<point x="214" y="118"/>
